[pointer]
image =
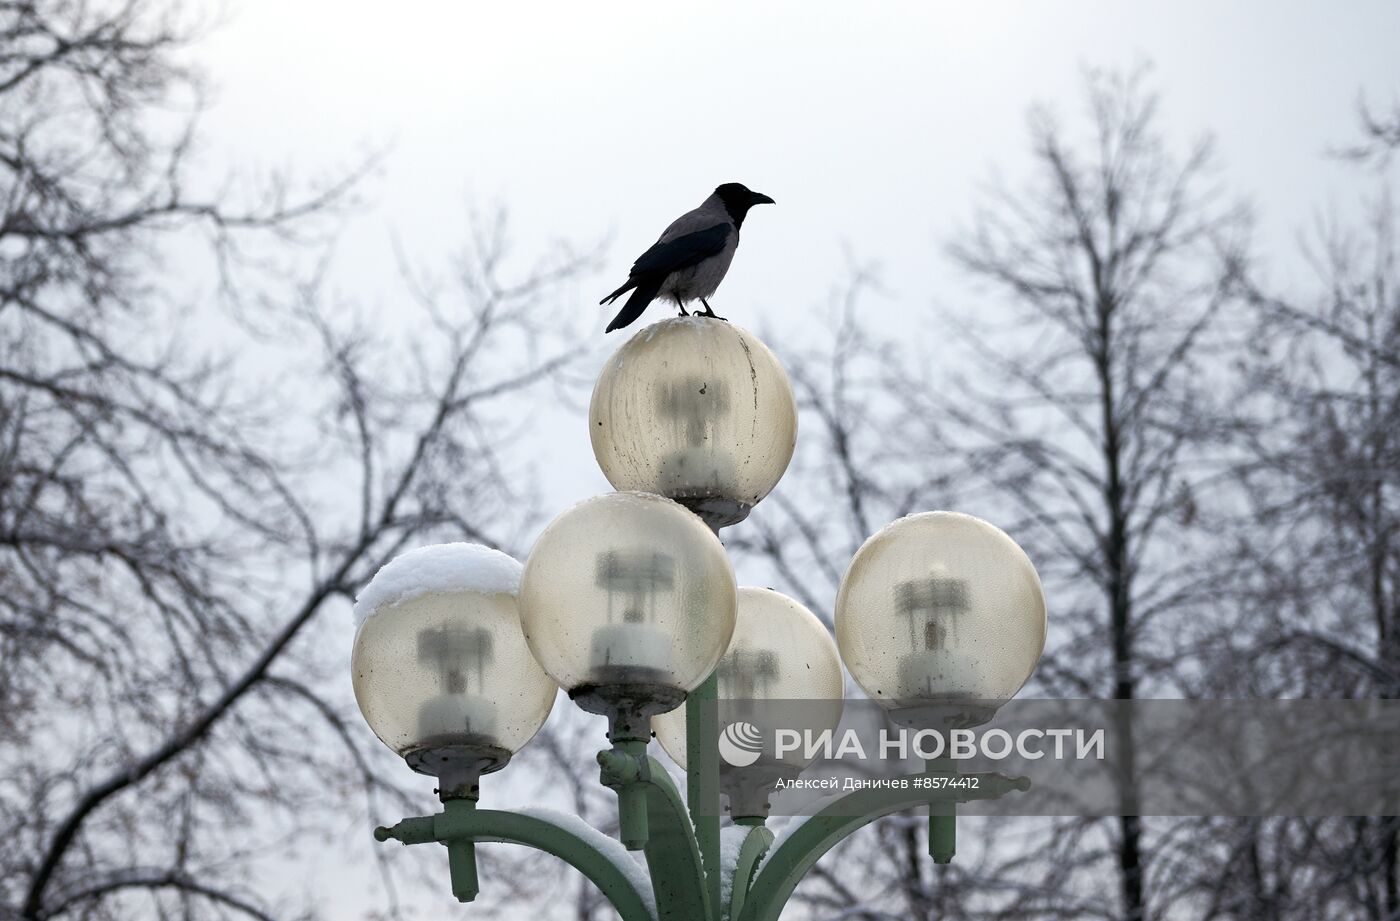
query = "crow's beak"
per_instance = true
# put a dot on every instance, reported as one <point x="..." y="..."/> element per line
<point x="760" y="199"/>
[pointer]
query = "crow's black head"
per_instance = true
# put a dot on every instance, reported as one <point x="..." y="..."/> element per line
<point x="738" y="199"/>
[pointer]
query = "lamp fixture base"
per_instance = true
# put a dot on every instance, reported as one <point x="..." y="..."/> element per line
<point x="942" y="715"/>
<point x="628" y="707"/>
<point x="458" y="768"/>
<point x="748" y="788"/>
<point x="716" y="511"/>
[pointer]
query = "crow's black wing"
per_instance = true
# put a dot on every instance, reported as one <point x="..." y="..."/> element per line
<point x="682" y="252"/>
<point x="651" y="269"/>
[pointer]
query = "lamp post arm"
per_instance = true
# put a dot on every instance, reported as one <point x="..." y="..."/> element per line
<point x="794" y="855"/>
<point x="756" y="844"/>
<point x="702" y="776"/>
<point x="673" y="854"/>
<point x="603" y="860"/>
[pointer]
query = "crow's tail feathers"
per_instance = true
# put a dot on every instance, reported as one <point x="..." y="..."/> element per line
<point x="619" y="292"/>
<point x="646" y="292"/>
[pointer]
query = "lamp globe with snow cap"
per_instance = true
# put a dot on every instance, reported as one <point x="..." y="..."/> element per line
<point x="440" y="666"/>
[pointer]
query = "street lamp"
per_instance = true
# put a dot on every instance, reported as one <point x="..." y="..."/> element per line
<point x="941" y="619"/>
<point x="628" y="602"/>
<point x="780" y="651"/>
<point x="697" y="411"/>
<point x="440" y="666"/>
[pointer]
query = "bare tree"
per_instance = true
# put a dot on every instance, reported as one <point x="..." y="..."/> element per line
<point x="1380" y="135"/>
<point x="1318" y="568"/>
<point x="169" y="533"/>
<point x="851" y="454"/>
<point x="1321" y="472"/>
<point x="1098" y="432"/>
<point x="1087" y="430"/>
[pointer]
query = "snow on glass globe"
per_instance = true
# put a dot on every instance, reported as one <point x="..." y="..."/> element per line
<point x="781" y="670"/>
<point x="941" y="619"/>
<point x="698" y="410"/>
<point x="441" y="669"/>
<point x="627" y="600"/>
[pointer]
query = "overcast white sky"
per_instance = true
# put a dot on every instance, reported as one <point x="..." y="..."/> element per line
<point x="872" y="124"/>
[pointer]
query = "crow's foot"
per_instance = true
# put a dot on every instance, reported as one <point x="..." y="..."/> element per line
<point x="708" y="312"/>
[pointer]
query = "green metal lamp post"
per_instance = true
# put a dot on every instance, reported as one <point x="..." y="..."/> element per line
<point x="628" y="603"/>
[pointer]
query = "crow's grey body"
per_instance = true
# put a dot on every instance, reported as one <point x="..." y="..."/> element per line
<point x="690" y="259"/>
<point x="702" y="279"/>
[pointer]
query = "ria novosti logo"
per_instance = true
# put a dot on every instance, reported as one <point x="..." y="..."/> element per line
<point x="740" y="744"/>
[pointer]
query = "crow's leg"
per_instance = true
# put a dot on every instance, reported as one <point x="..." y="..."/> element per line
<point x="708" y="312"/>
<point x="680" y="305"/>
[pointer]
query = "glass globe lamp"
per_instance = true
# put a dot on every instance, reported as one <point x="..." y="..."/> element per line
<point x="941" y="619"/>
<point x="440" y="666"/>
<point x="781" y="669"/>
<point x="698" y="410"/>
<point x="628" y="600"/>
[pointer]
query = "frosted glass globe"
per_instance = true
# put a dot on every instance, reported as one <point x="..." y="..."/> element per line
<point x="440" y="666"/>
<point x="628" y="596"/>
<point x="697" y="410"/>
<point x="780" y="651"/>
<point x="941" y="609"/>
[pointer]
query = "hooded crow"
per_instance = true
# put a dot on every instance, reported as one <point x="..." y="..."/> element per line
<point x="690" y="259"/>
